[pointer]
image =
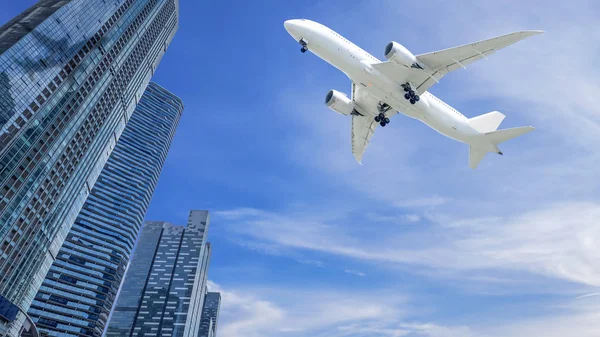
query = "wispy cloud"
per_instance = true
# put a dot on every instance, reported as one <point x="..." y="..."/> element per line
<point x="271" y="312"/>
<point x="588" y="295"/>
<point x="246" y="315"/>
<point x="550" y="242"/>
<point x="393" y="219"/>
<point x="259" y="312"/>
<point x="354" y="272"/>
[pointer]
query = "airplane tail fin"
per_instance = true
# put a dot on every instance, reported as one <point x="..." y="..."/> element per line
<point x="496" y="137"/>
<point x="488" y="122"/>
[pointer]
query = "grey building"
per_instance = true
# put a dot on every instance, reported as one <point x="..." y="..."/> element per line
<point x="78" y="292"/>
<point x="71" y="74"/>
<point x="164" y="288"/>
<point x="210" y="315"/>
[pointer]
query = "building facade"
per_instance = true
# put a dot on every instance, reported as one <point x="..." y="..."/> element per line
<point x="91" y="263"/>
<point x="210" y="315"/>
<point x="164" y="288"/>
<point x="71" y="74"/>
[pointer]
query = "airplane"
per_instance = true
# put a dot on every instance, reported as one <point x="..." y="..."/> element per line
<point x="400" y="84"/>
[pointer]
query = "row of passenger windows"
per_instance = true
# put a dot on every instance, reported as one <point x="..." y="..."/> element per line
<point x="448" y="106"/>
<point x="371" y="57"/>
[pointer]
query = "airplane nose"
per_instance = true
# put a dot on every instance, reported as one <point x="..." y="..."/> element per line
<point x="291" y="25"/>
<point x="288" y="25"/>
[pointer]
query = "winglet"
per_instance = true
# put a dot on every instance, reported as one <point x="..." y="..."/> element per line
<point x="534" y="32"/>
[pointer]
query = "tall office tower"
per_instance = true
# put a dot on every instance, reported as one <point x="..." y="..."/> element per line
<point x="72" y="72"/>
<point x="164" y="287"/>
<point x="210" y="315"/>
<point x="78" y="293"/>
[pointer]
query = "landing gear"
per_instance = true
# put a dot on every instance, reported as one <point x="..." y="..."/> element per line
<point x="304" y="45"/>
<point x="381" y="118"/>
<point x="410" y="95"/>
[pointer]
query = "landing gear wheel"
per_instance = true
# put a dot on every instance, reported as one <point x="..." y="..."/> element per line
<point x="386" y="120"/>
<point x="407" y="96"/>
<point x="412" y="101"/>
<point x="304" y="49"/>
<point x="416" y="98"/>
<point x="406" y="88"/>
<point x="382" y="123"/>
<point x="377" y="119"/>
<point x="381" y="115"/>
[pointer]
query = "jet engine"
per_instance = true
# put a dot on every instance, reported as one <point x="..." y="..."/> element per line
<point x="339" y="102"/>
<point x="396" y="52"/>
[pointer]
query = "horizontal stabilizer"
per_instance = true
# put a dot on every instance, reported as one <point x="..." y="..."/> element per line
<point x="476" y="153"/>
<point x="500" y="136"/>
<point x="488" y="122"/>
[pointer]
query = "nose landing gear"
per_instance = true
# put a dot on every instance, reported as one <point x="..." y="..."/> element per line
<point x="410" y="95"/>
<point x="304" y="45"/>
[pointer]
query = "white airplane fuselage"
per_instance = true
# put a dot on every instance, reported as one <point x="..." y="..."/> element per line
<point x="356" y="64"/>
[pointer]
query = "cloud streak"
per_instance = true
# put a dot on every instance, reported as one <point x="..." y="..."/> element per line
<point x="549" y="242"/>
<point x="272" y="312"/>
<point x="258" y="312"/>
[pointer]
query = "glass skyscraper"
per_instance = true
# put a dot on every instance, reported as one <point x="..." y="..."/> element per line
<point x="71" y="74"/>
<point x="78" y="293"/>
<point x="164" y="288"/>
<point x="210" y="315"/>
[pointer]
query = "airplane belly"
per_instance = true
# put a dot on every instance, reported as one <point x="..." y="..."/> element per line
<point x="332" y="52"/>
<point x="383" y="89"/>
<point x="443" y="120"/>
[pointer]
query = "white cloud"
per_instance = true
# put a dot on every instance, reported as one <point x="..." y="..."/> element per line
<point x="393" y="219"/>
<point x="275" y="250"/>
<point x="302" y="311"/>
<point x="579" y="321"/>
<point x="433" y="330"/>
<point x="245" y="315"/>
<point x="588" y="295"/>
<point x="412" y="217"/>
<point x="354" y="272"/>
<point x="550" y="242"/>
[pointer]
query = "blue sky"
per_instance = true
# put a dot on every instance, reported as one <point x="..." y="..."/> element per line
<point x="414" y="243"/>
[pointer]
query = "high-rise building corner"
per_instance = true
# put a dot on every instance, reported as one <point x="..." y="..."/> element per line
<point x="210" y="315"/>
<point x="163" y="293"/>
<point x="71" y="74"/>
<point x="90" y="265"/>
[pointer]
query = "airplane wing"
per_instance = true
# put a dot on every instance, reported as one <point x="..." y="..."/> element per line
<point x="363" y="124"/>
<point x="439" y="63"/>
<point x="363" y="128"/>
